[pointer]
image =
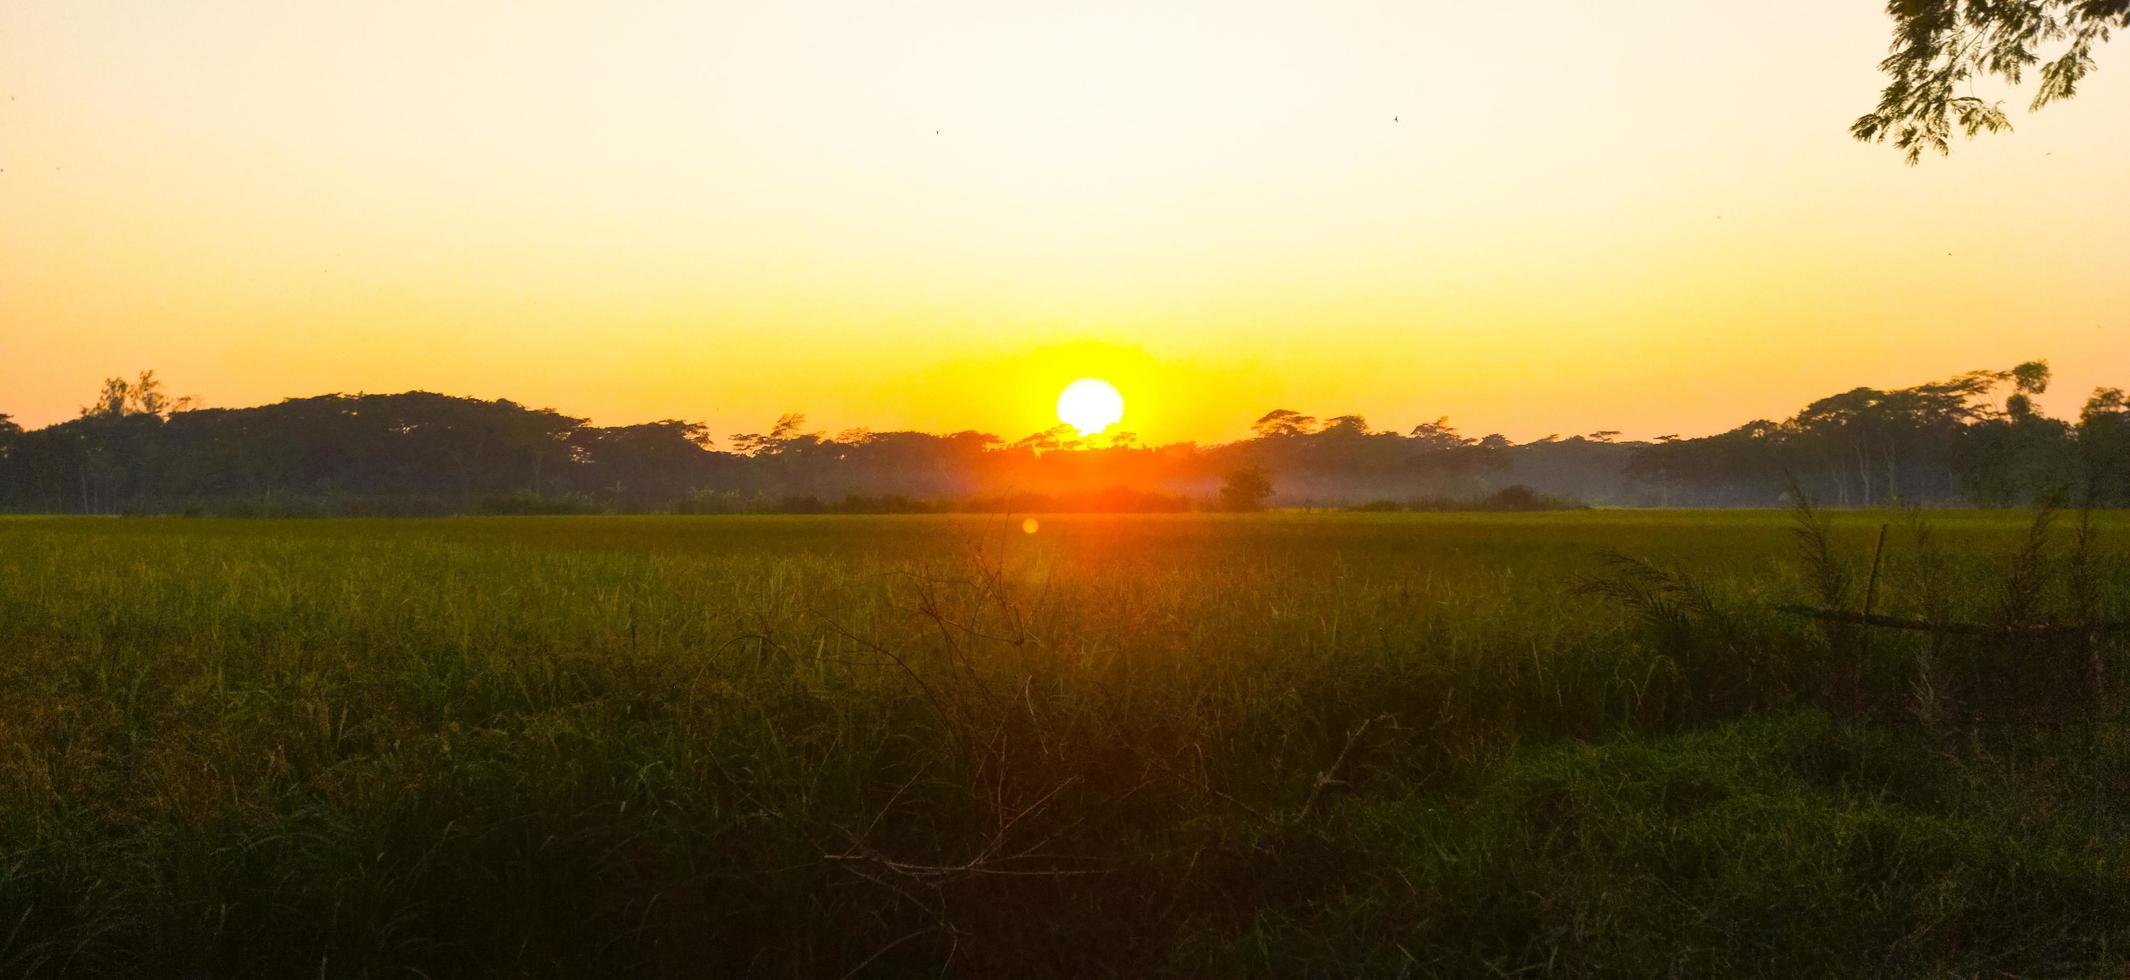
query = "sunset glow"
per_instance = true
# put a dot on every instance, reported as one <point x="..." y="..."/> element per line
<point x="912" y="216"/>
<point x="1161" y="488"/>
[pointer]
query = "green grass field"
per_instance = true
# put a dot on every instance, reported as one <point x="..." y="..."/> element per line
<point x="1258" y="745"/>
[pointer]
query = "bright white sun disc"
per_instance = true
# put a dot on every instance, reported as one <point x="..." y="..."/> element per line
<point x="1090" y="405"/>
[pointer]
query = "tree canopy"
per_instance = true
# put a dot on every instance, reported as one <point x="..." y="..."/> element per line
<point x="1941" y="47"/>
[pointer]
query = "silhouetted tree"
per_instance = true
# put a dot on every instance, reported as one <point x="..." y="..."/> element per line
<point x="1438" y="436"/>
<point x="142" y="396"/>
<point x="646" y="464"/>
<point x="2104" y="446"/>
<point x="1941" y="441"/>
<point x="1245" y="489"/>
<point x="1049" y="440"/>
<point x="1345" y="425"/>
<point x="1283" y="422"/>
<point x="9" y="433"/>
<point x="1940" y="47"/>
<point x="777" y="440"/>
<point x="1742" y="467"/>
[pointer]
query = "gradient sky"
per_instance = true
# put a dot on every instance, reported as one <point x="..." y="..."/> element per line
<point x="1643" y="216"/>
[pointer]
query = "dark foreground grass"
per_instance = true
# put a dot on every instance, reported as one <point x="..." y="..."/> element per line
<point x="1344" y="745"/>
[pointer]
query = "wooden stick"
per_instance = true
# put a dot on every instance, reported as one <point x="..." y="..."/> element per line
<point x="1871" y="588"/>
<point x="1330" y="777"/>
<point x="2040" y="632"/>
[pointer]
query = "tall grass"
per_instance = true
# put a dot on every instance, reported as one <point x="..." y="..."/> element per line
<point x="1340" y="745"/>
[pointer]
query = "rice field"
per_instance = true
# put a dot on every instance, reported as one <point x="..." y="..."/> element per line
<point x="1336" y="745"/>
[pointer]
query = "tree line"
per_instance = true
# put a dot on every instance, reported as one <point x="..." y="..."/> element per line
<point x="1976" y="438"/>
<point x="1973" y="439"/>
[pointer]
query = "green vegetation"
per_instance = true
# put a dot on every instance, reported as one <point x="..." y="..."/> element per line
<point x="1566" y="743"/>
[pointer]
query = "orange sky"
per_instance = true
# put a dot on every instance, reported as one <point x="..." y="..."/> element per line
<point x="1635" y="216"/>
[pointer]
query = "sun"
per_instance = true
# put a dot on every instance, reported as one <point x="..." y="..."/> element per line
<point x="1090" y="405"/>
